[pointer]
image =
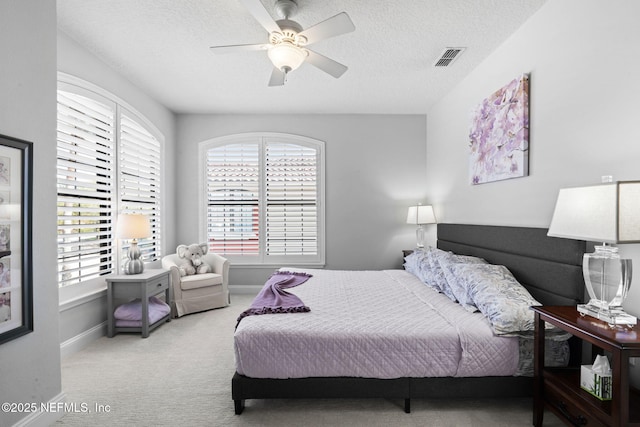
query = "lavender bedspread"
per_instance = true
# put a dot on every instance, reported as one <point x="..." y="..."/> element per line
<point x="372" y="324"/>
<point x="273" y="298"/>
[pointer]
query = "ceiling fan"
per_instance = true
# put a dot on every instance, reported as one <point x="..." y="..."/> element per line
<point x="287" y="40"/>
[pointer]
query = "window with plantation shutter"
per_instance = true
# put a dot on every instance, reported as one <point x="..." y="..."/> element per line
<point x="233" y="190"/>
<point x="107" y="162"/>
<point x="264" y="198"/>
<point x="85" y="175"/>
<point x="139" y="175"/>
<point x="291" y="199"/>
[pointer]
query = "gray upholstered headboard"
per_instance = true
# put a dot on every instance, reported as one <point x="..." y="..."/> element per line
<point x="550" y="268"/>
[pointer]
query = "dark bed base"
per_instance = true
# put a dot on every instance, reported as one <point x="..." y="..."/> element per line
<point x="550" y="268"/>
<point x="399" y="388"/>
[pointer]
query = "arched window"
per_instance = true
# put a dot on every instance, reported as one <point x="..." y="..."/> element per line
<point x="108" y="162"/>
<point x="264" y="198"/>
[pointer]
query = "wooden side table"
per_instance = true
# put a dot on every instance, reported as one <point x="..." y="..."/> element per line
<point x="558" y="389"/>
<point x="143" y="285"/>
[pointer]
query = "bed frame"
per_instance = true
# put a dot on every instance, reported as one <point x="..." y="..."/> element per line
<point x="550" y="268"/>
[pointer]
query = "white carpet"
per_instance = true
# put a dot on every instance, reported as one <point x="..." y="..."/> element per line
<point x="181" y="376"/>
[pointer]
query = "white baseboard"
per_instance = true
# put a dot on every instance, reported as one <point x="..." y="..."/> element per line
<point x="82" y="340"/>
<point x="55" y="409"/>
<point x="244" y="289"/>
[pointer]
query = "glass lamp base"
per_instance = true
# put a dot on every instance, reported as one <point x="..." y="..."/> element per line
<point x="608" y="279"/>
<point x="613" y="316"/>
<point x="420" y="236"/>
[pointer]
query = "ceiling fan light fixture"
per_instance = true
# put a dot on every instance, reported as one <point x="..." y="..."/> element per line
<point x="288" y="41"/>
<point x="286" y="56"/>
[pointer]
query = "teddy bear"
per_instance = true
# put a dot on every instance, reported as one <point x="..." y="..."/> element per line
<point x="192" y="261"/>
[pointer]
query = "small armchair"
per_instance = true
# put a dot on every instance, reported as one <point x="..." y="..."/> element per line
<point x="198" y="292"/>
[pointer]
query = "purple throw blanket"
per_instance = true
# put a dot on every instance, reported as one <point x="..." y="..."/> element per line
<point x="274" y="299"/>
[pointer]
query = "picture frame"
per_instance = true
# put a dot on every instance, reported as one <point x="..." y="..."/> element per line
<point x="16" y="195"/>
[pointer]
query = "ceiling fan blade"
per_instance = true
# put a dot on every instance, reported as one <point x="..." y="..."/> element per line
<point x="327" y="65"/>
<point x="261" y="14"/>
<point x="334" y="26"/>
<point x="277" y="77"/>
<point x="236" y="48"/>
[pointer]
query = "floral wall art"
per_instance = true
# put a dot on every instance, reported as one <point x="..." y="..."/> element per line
<point x="499" y="135"/>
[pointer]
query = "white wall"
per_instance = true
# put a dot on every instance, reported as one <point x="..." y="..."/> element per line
<point x="81" y="320"/>
<point x="375" y="166"/>
<point x="583" y="57"/>
<point x="30" y="365"/>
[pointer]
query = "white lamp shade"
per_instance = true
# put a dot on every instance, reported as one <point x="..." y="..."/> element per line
<point x="133" y="226"/>
<point x="421" y="215"/>
<point x="286" y="56"/>
<point x="608" y="213"/>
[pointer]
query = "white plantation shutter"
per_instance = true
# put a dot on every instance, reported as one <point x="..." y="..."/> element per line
<point x="233" y="188"/>
<point x="139" y="175"/>
<point x="291" y="200"/>
<point x="263" y="198"/>
<point x="85" y="176"/>
<point x="107" y="162"/>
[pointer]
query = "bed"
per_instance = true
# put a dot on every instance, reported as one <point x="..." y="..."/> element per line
<point x="549" y="268"/>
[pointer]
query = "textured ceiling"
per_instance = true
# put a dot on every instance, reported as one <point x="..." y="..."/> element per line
<point x="162" y="46"/>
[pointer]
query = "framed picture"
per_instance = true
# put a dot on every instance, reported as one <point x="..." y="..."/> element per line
<point x="499" y="135"/>
<point x="16" y="282"/>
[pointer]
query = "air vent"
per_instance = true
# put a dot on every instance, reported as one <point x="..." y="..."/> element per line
<point x="448" y="55"/>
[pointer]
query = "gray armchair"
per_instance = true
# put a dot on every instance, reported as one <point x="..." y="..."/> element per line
<point x="198" y="292"/>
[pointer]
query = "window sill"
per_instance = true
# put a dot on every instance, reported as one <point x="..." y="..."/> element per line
<point x="81" y="293"/>
<point x="75" y="295"/>
<point x="237" y="265"/>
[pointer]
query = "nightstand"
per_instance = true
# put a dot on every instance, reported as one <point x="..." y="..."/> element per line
<point x="558" y="389"/>
<point x="143" y="285"/>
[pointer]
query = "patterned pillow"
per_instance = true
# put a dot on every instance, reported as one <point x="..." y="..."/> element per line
<point x="457" y="290"/>
<point x="499" y="296"/>
<point x="438" y="281"/>
<point x="411" y="261"/>
<point x="417" y="264"/>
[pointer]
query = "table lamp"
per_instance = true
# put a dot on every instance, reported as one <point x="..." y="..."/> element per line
<point x="133" y="226"/>
<point x="608" y="213"/>
<point x="421" y="215"/>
